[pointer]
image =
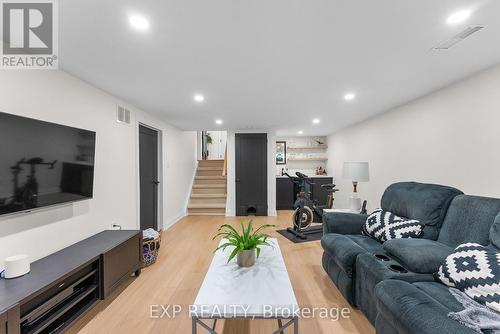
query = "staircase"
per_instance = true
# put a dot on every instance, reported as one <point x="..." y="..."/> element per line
<point x="208" y="196"/>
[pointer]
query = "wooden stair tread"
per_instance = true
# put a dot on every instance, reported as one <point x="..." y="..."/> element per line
<point x="214" y="160"/>
<point x="207" y="206"/>
<point x="210" y="168"/>
<point x="210" y="177"/>
<point x="208" y="195"/>
<point x="211" y="163"/>
<point x="208" y="185"/>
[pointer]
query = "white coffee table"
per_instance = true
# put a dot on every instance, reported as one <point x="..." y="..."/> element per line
<point x="263" y="291"/>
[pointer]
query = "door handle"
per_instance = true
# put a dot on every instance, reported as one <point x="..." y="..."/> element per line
<point x="156" y="182"/>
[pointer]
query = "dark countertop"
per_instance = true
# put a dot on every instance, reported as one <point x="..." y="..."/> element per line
<point x="311" y="176"/>
<point x="51" y="268"/>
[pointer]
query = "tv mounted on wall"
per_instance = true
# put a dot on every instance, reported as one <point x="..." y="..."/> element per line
<point x="43" y="164"/>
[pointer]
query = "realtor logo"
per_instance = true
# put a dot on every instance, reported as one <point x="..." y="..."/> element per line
<point x="29" y="34"/>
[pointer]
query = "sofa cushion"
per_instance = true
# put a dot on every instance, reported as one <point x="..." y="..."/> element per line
<point x="383" y="225"/>
<point x="418" y="255"/>
<point x="344" y="249"/>
<point x="441" y="294"/>
<point x="495" y="233"/>
<point x="427" y="203"/>
<point x="368" y="244"/>
<point x="343" y="222"/>
<point x="469" y="219"/>
<point x="474" y="270"/>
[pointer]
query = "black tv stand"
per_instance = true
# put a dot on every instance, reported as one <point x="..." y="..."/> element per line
<point x="63" y="286"/>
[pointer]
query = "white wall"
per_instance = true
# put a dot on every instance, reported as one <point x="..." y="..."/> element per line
<point x="55" y="96"/>
<point x="307" y="167"/>
<point x="271" y="172"/>
<point x="217" y="149"/>
<point x="450" y="137"/>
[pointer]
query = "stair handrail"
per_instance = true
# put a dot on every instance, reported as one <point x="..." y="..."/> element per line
<point x="224" y="168"/>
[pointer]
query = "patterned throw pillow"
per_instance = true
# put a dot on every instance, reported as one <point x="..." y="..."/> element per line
<point x="474" y="270"/>
<point x="384" y="225"/>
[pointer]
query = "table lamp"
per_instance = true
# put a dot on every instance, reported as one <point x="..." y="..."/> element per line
<point x="356" y="172"/>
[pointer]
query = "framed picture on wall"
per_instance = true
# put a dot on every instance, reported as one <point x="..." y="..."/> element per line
<point x="281" y="153"/>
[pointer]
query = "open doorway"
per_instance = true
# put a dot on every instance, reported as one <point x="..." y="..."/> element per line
<point x="213" y="145"/>
<point x="149" y="177"/>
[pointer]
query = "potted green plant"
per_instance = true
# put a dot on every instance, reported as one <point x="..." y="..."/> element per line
<point x="246" y="245"/>
<point x="208" y="137"/>
<point x="208" y="140"/>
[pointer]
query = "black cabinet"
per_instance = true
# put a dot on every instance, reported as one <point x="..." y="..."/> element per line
<point x="3" y="323"/>
<point x="77" y="179"/>
<point x="9" y="321"/>
<point x="319" y="194"/>
<point x="284" y="193"/>
<point x="119" y="262"/>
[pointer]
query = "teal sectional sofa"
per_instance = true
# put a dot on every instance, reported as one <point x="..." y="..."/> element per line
<point x="391" y="283"/>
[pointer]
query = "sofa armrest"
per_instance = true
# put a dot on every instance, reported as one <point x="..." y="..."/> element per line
<point x="418" y="255"/>
<point x="343" y="222"/>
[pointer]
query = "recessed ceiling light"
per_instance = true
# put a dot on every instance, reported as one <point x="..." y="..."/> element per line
<point x="316" y="121"/>
<point x="349" y="96"/>
<point x="218" y="121"/>
<point x="139" y="22"/>
<point x="199" y="98"/>
<point x="458" y="17"/>
<point x="300" y="132"/>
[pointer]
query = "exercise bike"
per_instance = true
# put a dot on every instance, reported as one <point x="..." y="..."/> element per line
<point x="25" y="196"/>
<point x="307" y="210"/>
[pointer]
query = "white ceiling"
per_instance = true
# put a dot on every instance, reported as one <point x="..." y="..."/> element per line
<point x="273" y="64"/>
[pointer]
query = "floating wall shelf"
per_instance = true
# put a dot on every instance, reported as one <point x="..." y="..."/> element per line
<point x="317" y="147"/>
<point x="307" y="159"/>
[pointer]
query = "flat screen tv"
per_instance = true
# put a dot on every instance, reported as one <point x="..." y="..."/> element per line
<point x="43" y="164"/>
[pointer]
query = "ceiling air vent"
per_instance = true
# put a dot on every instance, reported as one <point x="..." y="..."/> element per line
<point x="449" y="43"/>
<point x="123" y="115"/>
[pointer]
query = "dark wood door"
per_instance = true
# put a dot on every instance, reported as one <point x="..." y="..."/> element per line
<point x="319" y="194"/>
<point x="251" y="174"/>
<point x="284" y="194"/>
<point x="148" y="170"/>
<point x="3" y="323"/>
<point x="10" y="321"/>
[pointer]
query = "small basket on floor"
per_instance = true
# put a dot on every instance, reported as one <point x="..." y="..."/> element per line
<point x="150" y="251"/>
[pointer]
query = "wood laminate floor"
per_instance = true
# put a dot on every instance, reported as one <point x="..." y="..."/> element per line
<point x="184" y="259"/>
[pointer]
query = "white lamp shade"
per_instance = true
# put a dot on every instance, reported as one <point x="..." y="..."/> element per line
<point x="356" y="171"/>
